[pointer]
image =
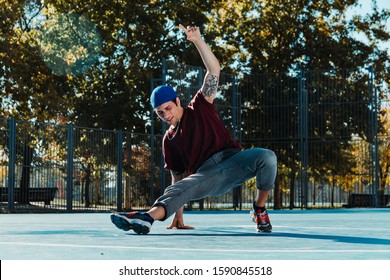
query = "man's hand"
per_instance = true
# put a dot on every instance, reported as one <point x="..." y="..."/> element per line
<point x="192" y="32"/>
<point x="178" y="221"/>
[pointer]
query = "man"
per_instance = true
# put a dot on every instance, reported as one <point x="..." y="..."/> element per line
<point x="200" y="154"/>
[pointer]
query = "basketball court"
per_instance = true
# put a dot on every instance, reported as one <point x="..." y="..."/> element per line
<point x="344" y="234"/>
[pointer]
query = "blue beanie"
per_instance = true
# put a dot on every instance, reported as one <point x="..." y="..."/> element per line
<point x="162" y="94"/>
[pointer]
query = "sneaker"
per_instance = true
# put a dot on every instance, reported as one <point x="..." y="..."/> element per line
<point x="139" y="222"/>
<point x="262" y="220"/>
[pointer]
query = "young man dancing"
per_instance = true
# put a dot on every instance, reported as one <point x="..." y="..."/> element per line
<point x="203" y="159"/>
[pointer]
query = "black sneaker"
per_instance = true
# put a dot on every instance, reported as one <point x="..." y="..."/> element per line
<point x="139" y="222"/>
<point x="262" y="220"/>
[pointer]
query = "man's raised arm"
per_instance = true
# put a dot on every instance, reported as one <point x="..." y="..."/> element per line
<point x="211" y="80"/>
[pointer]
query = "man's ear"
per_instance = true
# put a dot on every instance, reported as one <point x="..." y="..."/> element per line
<point x="178" y="101"/>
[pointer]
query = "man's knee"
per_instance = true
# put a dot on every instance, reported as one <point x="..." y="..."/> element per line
<point x="268" y="157"/>
<point x="271" y="158"/>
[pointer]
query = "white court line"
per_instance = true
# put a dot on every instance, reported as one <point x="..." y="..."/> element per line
<point x="336" y="228"/>
<point x="295" y="228"/>
<point x="196" y="250"/>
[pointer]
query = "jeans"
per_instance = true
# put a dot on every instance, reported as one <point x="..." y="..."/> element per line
<point x="219" y="174"/>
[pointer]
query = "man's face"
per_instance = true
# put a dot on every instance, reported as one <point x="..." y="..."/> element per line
<point x="170" y="112"/>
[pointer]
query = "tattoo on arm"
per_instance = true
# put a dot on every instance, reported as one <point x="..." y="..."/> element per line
<point x="210" y="85"/>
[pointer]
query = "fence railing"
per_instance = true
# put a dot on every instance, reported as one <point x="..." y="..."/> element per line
<point x="325" y="127"/>
<point x="330" y="131"/>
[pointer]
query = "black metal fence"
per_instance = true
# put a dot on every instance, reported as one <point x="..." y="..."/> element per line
<point x="329" y="129"/>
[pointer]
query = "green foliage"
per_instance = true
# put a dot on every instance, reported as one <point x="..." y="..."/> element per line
<point x="91" y="63"/>
<point x="279" y="36"/>
<point x="109" y="86"/>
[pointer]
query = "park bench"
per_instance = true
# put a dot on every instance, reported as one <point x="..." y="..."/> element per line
<point x="45" y="195"/>
<point x="364" y="200"/>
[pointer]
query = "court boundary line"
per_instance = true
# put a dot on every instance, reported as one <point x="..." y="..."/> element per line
<point x="198" y="249"/>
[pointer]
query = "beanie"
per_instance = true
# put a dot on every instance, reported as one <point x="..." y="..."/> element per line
<point x="162" y="94"/>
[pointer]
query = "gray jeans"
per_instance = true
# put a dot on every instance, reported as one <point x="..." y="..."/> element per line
<point x="219" y="174"/>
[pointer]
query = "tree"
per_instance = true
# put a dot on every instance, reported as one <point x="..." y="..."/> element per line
<point x="106" y="71"/>
<point x="295" y="38"/>
<point x="384" y="164"/>
<point x="136" y="36"/>
<point x="28" y="89"/>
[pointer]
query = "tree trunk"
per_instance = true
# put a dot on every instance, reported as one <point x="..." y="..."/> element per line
<point x="292" y="189"/>
<point x="277" y="195"/>
<point x="87" y="185"/>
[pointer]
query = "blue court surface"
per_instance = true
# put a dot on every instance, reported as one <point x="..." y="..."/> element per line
<point x="342" y="234"/>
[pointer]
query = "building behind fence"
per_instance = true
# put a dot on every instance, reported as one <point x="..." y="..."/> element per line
<point x="324" y="127"/>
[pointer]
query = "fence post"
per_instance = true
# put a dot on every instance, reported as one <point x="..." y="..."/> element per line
<point x="152" y="149"/>
<point x="236" y="128"/>
<point x="235" y="110"/>
<point x="11" y="163"/>
<point x="119" y="189"/>
<point x="163" y="129"/>
<point x="374" y="145"/>
<point x="69" y="172"/>
<point x="162" y="80"/>
<point x="303" y="138"/>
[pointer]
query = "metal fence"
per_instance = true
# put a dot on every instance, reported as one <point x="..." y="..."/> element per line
<point x="328" y="129"/>
<point x="323" y="126"/>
